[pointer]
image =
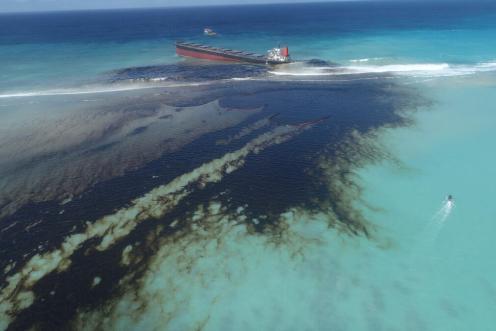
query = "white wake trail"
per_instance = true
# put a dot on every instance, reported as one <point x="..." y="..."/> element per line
<point x="438" y="220"/>
<point x="424" y="243"/>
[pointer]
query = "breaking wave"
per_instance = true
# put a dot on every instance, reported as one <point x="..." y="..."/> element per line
<point x="184" y="75"/>
<point x="414" y="70"/>
<point x="95" y="89"/>
<point x="366" y="60"/>
<point x="138" y="78"/>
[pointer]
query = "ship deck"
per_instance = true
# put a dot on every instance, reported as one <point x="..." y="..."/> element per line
<point x="229" y="54"/>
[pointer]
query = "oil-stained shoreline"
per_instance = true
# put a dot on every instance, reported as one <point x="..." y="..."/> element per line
<point x="312" y="171"/>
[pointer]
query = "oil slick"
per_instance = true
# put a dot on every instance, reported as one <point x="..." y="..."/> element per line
<point x="214" y="263"/>
<point x="60" y="155"/>
<point x="247" y="130"/>
<point x="17" y="295"/>
<point x="250" y="187"/>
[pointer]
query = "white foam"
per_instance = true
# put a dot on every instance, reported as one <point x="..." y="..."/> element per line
<point x="360" y="60"/>
<point x="366" y="59"/>
<point x="400" y="68"/>
<point x="241" y="78"/>
<point x="159" y="79"/>
<point x="307" y="71"/>
<point x="413" y="69"/>
<point x="93" y="90"/>
<point x="97" y="89"/>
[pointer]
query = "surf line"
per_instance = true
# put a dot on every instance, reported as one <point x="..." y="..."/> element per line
<point x="18" y="295"/>
<point x="99" y="90"/>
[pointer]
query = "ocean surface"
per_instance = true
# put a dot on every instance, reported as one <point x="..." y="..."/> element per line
<point x="143" y="191"/>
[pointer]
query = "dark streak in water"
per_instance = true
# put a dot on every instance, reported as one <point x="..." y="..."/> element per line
<point x="187" y="72"/>
<point x="281" y="177"/>
<point x="137" y="131"/>
<point x="101" y="148"/>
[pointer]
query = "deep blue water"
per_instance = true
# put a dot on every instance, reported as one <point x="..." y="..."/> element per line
<point x="41" y="51"/>
<point x="283" y="21"/>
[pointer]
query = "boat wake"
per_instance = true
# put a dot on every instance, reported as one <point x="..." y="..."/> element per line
<point x="438" y="220"/>
<point x="424" y="245"/>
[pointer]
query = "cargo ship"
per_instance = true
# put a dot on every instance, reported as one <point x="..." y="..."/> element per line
<point x="274" y="56"/>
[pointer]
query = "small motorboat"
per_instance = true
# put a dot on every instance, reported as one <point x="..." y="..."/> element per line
<point x="209" y="32"/>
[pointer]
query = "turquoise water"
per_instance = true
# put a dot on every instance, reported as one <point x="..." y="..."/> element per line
<point x="310" y="196"/>
<point x="442" y="259"/>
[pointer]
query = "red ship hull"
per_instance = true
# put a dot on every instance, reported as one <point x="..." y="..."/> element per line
<point x="222" y="54"/>
<point x="204" y="56"/>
